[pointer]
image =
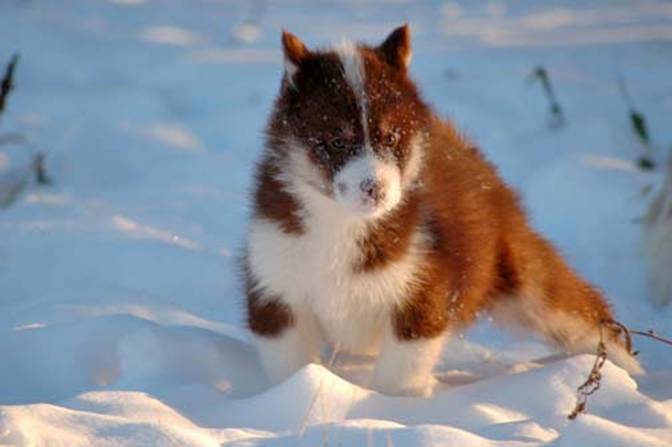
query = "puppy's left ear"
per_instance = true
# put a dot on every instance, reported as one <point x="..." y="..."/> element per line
<point x="396" y="49"/>
<point x="295" y="53"/>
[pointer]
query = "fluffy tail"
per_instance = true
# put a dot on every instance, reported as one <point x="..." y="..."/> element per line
<point x="551" y="299"/>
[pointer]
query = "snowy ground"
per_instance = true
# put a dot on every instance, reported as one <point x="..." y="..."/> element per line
<point x="120" y="310"/>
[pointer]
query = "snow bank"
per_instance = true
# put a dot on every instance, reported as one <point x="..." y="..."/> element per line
<point x="527" y="408"/>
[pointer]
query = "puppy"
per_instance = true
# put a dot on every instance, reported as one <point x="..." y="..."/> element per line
<point x="377" y="228"/>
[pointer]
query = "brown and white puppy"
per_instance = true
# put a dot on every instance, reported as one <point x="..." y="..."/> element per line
<point x="378" y="229"/>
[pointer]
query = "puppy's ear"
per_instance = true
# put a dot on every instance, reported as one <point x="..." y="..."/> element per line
<point x="294" y="51"/>
<point x="396" y="49"/>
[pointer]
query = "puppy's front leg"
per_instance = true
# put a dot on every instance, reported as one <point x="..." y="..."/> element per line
<point x="286" y="340"/>
<point x="405" y="365"/>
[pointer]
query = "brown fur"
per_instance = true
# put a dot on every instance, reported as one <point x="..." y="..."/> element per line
<point x="273" y="202"/>
<point x="389" y="239"/>
<point x="484" y="251"/>
<point x="266" y="315"/>
<point x="317" y="119"/>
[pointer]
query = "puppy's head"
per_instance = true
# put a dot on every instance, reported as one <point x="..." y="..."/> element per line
<point x="351" y="122"/>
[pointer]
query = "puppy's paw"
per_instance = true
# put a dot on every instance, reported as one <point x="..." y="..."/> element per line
<point x="418" y="388"/>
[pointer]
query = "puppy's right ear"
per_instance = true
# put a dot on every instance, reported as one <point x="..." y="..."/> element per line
<point x="397" y="47"/>
<point x="294" y="51"/>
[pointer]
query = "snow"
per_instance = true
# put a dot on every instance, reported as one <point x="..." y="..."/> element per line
<point x="120" y="306"/>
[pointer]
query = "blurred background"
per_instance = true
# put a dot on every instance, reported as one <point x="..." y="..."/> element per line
<point x="129" y="136"/>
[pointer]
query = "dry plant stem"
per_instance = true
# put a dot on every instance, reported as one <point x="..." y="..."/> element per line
<point x="636" y="118"/>
<point x="652" y="335"/>
<point x="627" y="333"/>
<point x="592" y="384"/>
<point x="639" y="126"/>
<point x="621" y="330"/>
<point x="40" y="172"/>
<point x="7" y="82"/>
<point x="556" y="115"/>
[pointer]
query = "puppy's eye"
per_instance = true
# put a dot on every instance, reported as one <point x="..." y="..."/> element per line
<point x="337" y="143"/>
<point x="390" y="139"/>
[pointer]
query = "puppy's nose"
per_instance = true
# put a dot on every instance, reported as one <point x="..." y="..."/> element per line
<point x="373" y="189"/>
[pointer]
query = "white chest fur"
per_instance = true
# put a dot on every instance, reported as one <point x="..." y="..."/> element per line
<point x="313" y="272"/>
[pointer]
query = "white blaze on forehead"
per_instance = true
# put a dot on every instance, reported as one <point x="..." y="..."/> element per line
<point x="368" y="167"/>
<point x="355" y="76"/>
<point x="353" y="66"/>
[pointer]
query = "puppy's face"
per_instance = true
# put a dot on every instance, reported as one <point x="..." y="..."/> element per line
<point x="351" y="122"/>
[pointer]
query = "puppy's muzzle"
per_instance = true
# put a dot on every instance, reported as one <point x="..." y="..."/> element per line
<point x="372" y="190"/>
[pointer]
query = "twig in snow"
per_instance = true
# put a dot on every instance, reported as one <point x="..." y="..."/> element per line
<point x="638" y="123"/>
<point x="592" y="384"/>
<point x="6" y="86"/>
<point x="556" y="117"/>
<point x="38" y="168"/>
<point x="8" y="81"/>
<point x="652" y="335"/>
